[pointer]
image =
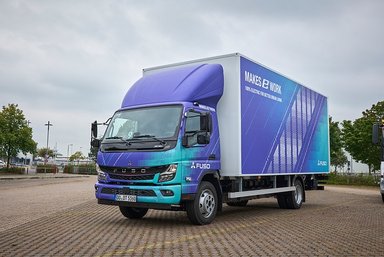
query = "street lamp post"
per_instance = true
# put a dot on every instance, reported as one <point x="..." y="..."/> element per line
<point x="46" y="153"/>
<point x="68" y="152"/>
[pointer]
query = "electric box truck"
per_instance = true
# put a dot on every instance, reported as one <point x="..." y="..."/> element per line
<point x="194" y="135"/>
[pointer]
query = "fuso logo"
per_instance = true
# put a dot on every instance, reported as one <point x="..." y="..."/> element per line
<point x="198" y="165"/>
<point x="322" y="163"/>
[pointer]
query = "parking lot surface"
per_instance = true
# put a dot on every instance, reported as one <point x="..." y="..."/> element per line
<point x="67" y="221"/>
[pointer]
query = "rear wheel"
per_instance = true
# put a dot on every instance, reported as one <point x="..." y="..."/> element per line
<point x="382" y="196"/>
<point x="282" y="200"/>
<point x="132" y="212"/>
<point x="202" y="210"/>
<point x="294" y="199"/>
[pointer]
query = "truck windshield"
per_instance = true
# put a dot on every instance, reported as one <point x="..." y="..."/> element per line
<point x="150" y="123"/>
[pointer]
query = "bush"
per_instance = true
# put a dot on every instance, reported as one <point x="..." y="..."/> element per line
<point x="88" y="169"/>
<point x="48" y="168"/>
<point x="12" y="170"/>
<point x="68" y="169"/>
<point x="352" y="179"/>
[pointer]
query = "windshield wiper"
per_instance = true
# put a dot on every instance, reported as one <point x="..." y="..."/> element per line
<point x="131" y="140"/>
<point x="115" y="137"/>
<point x="127" y="143"/>
<point x="150" y="136"/>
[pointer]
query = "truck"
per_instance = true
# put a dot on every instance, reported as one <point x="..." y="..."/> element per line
<point x="378" y="139"/>
<point x="194" y="135"/>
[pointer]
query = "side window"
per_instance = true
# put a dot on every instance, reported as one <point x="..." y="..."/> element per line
<point x="193" y="121"/>
<point x="197" y="130"/>
<point x="192" y="127"/>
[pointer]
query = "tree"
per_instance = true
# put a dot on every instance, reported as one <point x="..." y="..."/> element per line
<point x="357" y="137"/>
<point x="93" y="153"/>
<point x="76" y="156"/>
<point x="44" y="152"/>
<point x="15" y="134"/>
<point x="338" y="157"/>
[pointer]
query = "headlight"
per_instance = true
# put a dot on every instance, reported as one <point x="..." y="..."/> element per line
<point x="101" y="175"/>
<point x="169" y="174"/>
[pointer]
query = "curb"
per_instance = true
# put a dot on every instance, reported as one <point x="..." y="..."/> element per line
<point x="12" y="177"/>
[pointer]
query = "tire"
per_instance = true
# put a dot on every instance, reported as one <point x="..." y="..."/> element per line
<point x="202" y="210"/>
<point x="382" y="197"/>
<point x="132" y="212"/>
<point x="241" y="203"/>
<point x="282" y="200"/>
<point x="295" y="198"/>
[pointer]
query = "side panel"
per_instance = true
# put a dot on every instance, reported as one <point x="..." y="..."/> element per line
<point x="284" y="125"/>
<point x="228" y="110"/>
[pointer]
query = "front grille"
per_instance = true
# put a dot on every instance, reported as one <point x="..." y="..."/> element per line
<point x="127" y="191"/>
<point x="139" y="177"/>
<point x="133" y="173"/>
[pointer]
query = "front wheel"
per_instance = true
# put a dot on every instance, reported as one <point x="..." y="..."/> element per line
<point x="132" y="212"/>
<point x="202" y="210"/>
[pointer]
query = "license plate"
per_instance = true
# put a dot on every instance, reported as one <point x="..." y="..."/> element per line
<point x="126" y="198"/>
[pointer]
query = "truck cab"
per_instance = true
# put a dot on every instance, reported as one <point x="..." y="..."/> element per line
<point x="159" y="146"/>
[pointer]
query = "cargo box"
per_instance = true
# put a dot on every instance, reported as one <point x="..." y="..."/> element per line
<point x="269" y="124"/>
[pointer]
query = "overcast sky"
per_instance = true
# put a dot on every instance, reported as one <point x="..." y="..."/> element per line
<point x="71" y="62"/>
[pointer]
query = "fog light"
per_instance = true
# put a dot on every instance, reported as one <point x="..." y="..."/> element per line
<point x="167" y="192"/>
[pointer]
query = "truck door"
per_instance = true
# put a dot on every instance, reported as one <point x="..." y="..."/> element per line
<point x="200" y="148"/>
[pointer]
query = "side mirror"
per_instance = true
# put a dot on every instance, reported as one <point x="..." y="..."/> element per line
<point x="375" y="134"/>
<point x="185" y="141"/>
<point x="95" y="143"/>
<point x="94" y="129"/>
<point x="203" y="139"/>
<point x="206" y="122"/>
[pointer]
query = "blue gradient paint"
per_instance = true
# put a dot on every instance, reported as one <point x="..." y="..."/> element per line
<point x="201" y="83"/>
<point x="187" y="85"/>
<point x="284" y="125"/>
<point x="192" y="163"/>
<point x="195" y="160"/>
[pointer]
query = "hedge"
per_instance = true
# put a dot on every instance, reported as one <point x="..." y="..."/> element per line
<point x="48" y="168"/>
<point x="352" y="179"/>
<point x="89" y="169"/>
<point x="12" y="170"/>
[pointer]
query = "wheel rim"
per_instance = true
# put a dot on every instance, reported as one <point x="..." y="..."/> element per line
<point x="298" y="193"/>
<point x="207" y="203"/>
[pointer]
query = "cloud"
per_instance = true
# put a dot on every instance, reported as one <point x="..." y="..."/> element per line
<point x="71" y="62"/>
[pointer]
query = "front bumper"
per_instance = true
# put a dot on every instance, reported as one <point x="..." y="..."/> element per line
<point x="156" y="195"/>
